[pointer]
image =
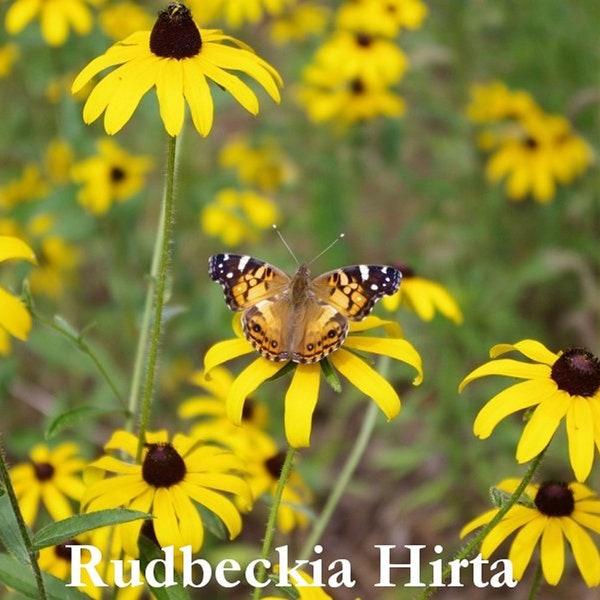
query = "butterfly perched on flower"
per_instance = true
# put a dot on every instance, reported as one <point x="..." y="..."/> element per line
<point x="299" y="318"/>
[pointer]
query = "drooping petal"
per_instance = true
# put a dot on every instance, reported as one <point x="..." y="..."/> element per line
<point x="532" y="349"/>
<point x="580" y="434"/>
<point x="197" y="93"/>
<point x="245" y="383"/>
<point x="187" y="513"/>
<point x="541" y="426"/>
<point x="168" y="527"/>
<point x="14" y="317"/>
<point x="224" y="351"/>
<point x="524" y="544"/>
<point x="517" y="518"/>
<point x="395" y="348"/>
<point x="584" y="550"/>
<point x="368" y="381"/>
<point x="300" y="401"/>
<point x="514" y="398"/>
<point x="13" y="247"/>
<point x="169" y="90"/>
<point x="552" y="549"/>
<point x="509" y="368"/>
<point x="57" y="504"/>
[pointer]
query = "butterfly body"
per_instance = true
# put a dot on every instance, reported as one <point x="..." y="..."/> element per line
<point x="299" y="318"/>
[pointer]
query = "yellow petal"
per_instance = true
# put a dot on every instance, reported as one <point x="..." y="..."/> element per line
<point x="197" y="93"/>
<point x="509" y="368"/>
<point x="514" y="398"/>
<point x="395" y="348"/>
<point x="524" y="544"/>
<point x="246" y="382"/>
<point x="14" y="317"/>
<point x="169" y="90"/>
<point x="225" y="351"/>
<point x="580" y="433"/>
<point x="584" y="550"/>
<point x="124" y="441"/>
<point x="300" y="401"/>
<point x="542" y="425"/>
<point x="12" y="247"/>
<point x="368" y="381"/>
<point x="553" y="551"/>
<point x="517" y="517"/>
<point x="532" y="349"/>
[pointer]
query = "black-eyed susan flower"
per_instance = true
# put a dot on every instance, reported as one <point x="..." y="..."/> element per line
<point x="122" y="19"/>
<point x="177" y="59"/>
<point x="560" y="386"/>
<point x="534" y="156"/>
<point x="172" y="477"/>
<point x="113" y="175"/>
<point x="15" y="319"/>
<point x="302" y="394"/>
<point x="327" y="95"/>
<point x="57" y="18"/>
<point x="52" y="478"/>
<point x="424" y="296"/>
<point x="494" y="101"/>
<point x="298" y="22"/>
<point x="549" y="513"/>
<point x="236" y="13"/>
<point x="237" y="216"/>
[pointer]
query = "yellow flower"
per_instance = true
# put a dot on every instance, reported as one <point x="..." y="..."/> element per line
<point x="57" y="17"/>
<point x="238" y="216"/>
<point x="298" y="22"/>
<point x="302" y="394"/>
<point x="58" y="161"/>
<point x="534" y="157"/>
<point x="492" y="102"/>
<point x="550" y="514"/>
<point x="51" y="478"/>
<point x="30" y="186"/>
<point x="560" y="386"/>
<point x="327" y="95"/>
<point x="177" y="58"/>
<point x="15" y="319"/>
<point x="172" y="477"/>
<point x="8" y="56"/>
<point x="122" y="19"/>
<point x="112" y="175"/>
<point x="263" y="165"/>
<point x="238" y="12"/>
<point x="381" y="17"/>
<point x="373" y="60"/>
<point x="424" y="297"/>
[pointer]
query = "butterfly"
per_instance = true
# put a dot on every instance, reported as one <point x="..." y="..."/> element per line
<point x="299" y="318"/>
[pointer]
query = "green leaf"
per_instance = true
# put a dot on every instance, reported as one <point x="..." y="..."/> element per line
<point x="76" y="416"/>
<point x="149" y="551"/>
<point x="10" y="534"/>
<point x="68" y="529"/>
<point x="20" y="578"/>
<point x="331" y="376"/>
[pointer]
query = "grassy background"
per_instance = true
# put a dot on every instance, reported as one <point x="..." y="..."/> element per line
<point x="409" y="190"/>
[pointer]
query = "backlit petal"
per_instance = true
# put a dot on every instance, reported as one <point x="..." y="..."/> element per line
<point x="580" y="433"/>
<point x="552" y="549"/>
<point x="13" y="247"/>
<point x="532" y="349"/>
<point x="224" y="351"/>
<point x="584" y="550"/>
<point x="14" y="317"/>
<point x="197" y="93"/>
<point x="509" y="368"/>
<point x="169" y="90"/>
<point x="524" y="544"/>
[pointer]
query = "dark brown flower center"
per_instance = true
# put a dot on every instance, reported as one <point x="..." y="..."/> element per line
<point x="357" y="86"/>
<point x="163" y="466"/>
<point x="43" y="471"/>
<point x="363" y="40"/>
<point x="555" y="499"/>
<point x="530" y="143"/>
<point x="117" y="175"/>
<point x="175" y="35"/>
<point x="275" y="464"/>
<point x="577" y="372"/>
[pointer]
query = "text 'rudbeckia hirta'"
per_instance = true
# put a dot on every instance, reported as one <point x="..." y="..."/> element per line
<point x="564" y="385"/>
<point x="548" y="513"/>
<point x="172" y="477"/>
<point x="177" y="58"/>
<point x="302" y="394"/>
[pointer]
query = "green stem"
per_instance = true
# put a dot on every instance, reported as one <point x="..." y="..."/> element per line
<point x="272" y="522"/>
<point x="535" y="584"/>
<point x="163" y="242"/>
<point x="343" y="479"/>
<point x="77" y="338"/>
<point x="23" y="529"/>
<point x="467" y="550"/>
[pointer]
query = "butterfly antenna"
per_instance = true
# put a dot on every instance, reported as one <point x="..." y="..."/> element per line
<point x="285" y="243"/>
<point x="337" y="239"/>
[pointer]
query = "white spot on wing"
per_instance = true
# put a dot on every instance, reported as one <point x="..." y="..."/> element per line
<point x="364" y="272"/>
<point x="243" y="262"/>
